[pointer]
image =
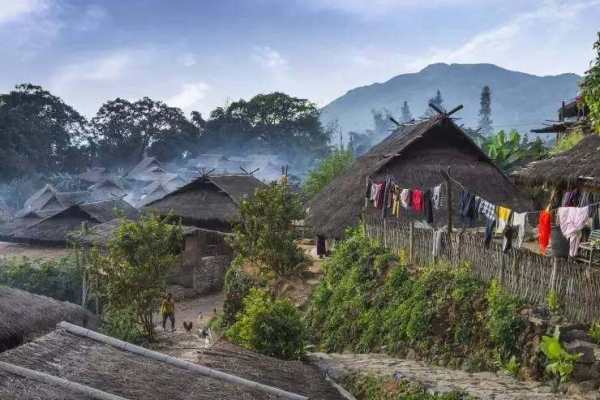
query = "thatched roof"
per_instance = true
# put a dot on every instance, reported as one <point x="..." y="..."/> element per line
<point x="26" y="315"/>
<point x="110" y="369"/>
<point x="580" y="165"/>
<point x="107" y="189"/>
<point x="415" y="157"/>
<point x="99" y="235"/>
<point x="56" y="228"/>
<point x="208" y="201"/>
<point x="147" y="170"/>
<point x="95" y="175"/>
<point x="48" y="199"/>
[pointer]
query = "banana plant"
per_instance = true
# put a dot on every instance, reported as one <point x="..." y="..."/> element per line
<point x="561" y="363"/>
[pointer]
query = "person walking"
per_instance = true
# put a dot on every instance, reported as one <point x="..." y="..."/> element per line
<point x="167" y="310"/>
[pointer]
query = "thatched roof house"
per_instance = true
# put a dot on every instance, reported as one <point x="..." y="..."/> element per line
<point x="50" y="199"/>
<point x="415" y="157"/>
<point x="130" y="374"/>
<point x="210" y="202"/>
<point x="94" y="175"/>
<point x="26" y="315"/>
<point x="579" y="166"/>
<point x="147" y="170"/>
<point x="54" y="229"/>
<point x="107" y="189"/>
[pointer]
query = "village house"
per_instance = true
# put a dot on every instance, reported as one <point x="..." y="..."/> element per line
<point x="422" y="155"/>
<point x="210" y="202"/>
<point x="94" y="175"/>
<point x="48" y="199"/>
<point x="73" y="363"/>
<point x="26" y="316"/>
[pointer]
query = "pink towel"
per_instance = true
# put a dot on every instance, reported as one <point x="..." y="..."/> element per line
<point x="571" y="221"/>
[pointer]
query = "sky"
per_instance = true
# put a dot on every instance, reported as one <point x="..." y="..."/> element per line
<point x="200" y="54"/>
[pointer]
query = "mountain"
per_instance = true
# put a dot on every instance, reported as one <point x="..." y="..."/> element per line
<point x="519" y="100"/>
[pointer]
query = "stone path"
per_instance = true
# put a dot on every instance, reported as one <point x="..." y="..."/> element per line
<point x="483" y="385"/>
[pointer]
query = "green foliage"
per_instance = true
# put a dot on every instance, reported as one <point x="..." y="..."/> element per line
<point x="132" y="275"/>
<point x="237" y="285"/>
<point x="368" y="387"/>
<point x="367" y="300"/>
<point x="590" y="87"/>
<point x="553" y="302"/>
<point x="271" y="327"/>
<point x="331" y="167"/>
<point x="512" y="367"/>
<point x="122" y="324"/>
<point x="265" y="233"/>
<point x="560" y="363"/>
<point x="567" y="142"/>
<point x="508" y="150"/>
<point x="60" y="279"/>
<point x="503" y="321"/>
<point x="594" y="332"/>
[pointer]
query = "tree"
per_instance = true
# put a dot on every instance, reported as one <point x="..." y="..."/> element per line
<point x="331" y="167"/>
<point x="265" y="233"/>
<point x="382" y="123"/>
<point x="590" y="87"/>
<point x="131" y="277"/>
<point x="406" y="114"/>
<point x="511" y="150"/>
<point x="39" y="132"/>
<point x="485" y="112"/>
<point x="438" y="101"/>
<point x="126" y="131"/>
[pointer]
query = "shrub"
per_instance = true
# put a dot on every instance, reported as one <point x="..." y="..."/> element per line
<point x="60" y="279"/>
<point x="567" y="142"/>
<point x="560" y="363"/>
<point x="503" y="321"/>
<point x="271" y="327"/>
<point x="122" y="324"/>
<point x="237" y="285"/>
<point x="132" y="276"/>
<point x="265" y="233"/>
<point x="594" y="332"/>
<point x="553" y="302"/>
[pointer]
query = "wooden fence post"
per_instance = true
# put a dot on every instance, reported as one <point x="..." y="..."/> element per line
<point x="411" y="241"/>
<point x="502" y="267"/>
<point x="384" y="233"/>
<point x="554" y="272"/>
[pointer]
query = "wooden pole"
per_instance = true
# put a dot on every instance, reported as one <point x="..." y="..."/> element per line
<point x="411" y="241"/>
<point x="446" y="176"/>
<point x="554" y="272"/>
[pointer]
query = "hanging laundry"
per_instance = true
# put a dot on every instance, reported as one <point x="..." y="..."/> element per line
<point x="502" y="220"/>
<point x="386" y="196"/>
<point x="487" y="209"/>
<point x="405" y="198"/>
<point x="544" y="230"/>
<point x="377" y="193"/>
<point x="368" y="193"/>
<point x="417" y="200"/>
<point x="428" y="206"/>
<point x="520" y="224"/>
<point x="436" y="196"/>
<point x="571" y="220"/>
<point x="584" y="199"/>
<point x="489" y="231"/>
<point x="396" y="201"/>
<point x="437" y="242"/>
<point x="467" y="206"/>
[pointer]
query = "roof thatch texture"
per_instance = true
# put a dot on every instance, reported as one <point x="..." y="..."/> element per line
<point x="415" y="158"/>
<point x="94" y="175"/>
<point x="208" y="202"/>
<point x="103" y="367"/>
<point x="107" y="189"/>
<point x="56" y="229"/>
<point x="293" y="376"/>
<point x="26" y="315"/>
<point x="49" y="199"/>
<point x="579" y="165"/>
<point x="147" y="170"/>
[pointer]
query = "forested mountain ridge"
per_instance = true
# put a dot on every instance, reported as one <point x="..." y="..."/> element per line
<point x="519" y="100"/>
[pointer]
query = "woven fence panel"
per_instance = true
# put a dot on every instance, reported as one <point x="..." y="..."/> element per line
<point x="521" y="272"/>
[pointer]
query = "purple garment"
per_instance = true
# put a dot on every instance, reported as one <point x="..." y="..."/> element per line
<point x="571" y="221"/>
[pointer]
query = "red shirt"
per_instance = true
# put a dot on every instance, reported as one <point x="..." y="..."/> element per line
<point x="417" y="200"/>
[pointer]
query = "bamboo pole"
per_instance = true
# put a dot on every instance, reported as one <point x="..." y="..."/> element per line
<point x="411" y="241"/>
<point x="88" y="392"/>
<point x="200" y="369"/>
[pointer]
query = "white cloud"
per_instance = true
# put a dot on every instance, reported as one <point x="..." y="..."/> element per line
<point x="13" y="10"/>
<point x="377" y="8"/>
<point x="269" y="58"/>
<point x="188" y="60"/>
<point x="189" y="95"/>
<point x="92" y="18"/>
<point x="108" y="67"/>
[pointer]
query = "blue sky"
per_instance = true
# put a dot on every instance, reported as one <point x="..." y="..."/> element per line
<point x="201" y="54"/>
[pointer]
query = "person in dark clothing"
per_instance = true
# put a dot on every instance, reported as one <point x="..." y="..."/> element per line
<point x="321" y="246"/>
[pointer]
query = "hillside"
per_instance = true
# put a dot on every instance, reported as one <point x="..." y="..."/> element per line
<point x="519" y="100"/>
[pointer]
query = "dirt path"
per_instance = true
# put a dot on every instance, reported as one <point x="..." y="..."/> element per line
<point x="182" y="344"/>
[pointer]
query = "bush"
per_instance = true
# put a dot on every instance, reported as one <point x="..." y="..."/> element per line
<point x="567" y="142"/>
<point x="271" y="327"/>
<point x="594" y="332"/>
<point x="503" y="321"/>
<point x="122" y="324"/>
<point x="331" y="167"/>
<point x="237" y="285"/>
<point x="60" y="279"/>
<point x="265" y="233"/>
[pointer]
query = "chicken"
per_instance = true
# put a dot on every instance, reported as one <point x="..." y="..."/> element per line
<point x="188" y="326"/>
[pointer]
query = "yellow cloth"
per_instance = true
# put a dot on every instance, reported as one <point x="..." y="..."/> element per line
<point x="167" y="307"/>
<point x="503" y="216"/>
<point x="396" y="203"/>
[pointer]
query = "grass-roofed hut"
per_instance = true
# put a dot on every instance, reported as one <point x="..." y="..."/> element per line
<point x="94" y="364"/>
<point x="26" y="316"/>
<point x="578" y="167"/>
<point x="49" y="199"/>
<point x="210" y="202"/>
<point x="415" y="157"/>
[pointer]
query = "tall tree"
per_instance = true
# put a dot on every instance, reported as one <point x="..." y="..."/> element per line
<point x="127" y="130"/>
<point x="39" y="132"/>
<point x="590" y="87"/>
<point x="406" y="114"/>
<point x="381" y="121"/>
<point x="485" y="112"/>
<point x="438" y="101"/>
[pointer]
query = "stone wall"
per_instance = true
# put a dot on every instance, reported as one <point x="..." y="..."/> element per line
<point x="209" y="275"/>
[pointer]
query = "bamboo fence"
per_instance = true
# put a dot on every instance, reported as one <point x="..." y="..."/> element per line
<point x="523" y="273"/>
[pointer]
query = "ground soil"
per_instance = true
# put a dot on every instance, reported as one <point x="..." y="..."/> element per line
<point x="11" y="250"/>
